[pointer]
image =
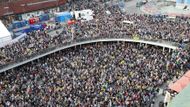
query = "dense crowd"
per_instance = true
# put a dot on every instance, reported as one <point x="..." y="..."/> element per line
<point x="93" y="75"/>
<point x="103" y="25"/>
<point x="34" y="42"/>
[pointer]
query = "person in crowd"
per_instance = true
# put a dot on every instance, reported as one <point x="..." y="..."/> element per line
<point x="103" y="25"/>
<point x="96" y="75"/>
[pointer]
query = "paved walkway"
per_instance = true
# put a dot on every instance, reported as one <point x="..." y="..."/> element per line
<point x="165" y="8"/>
<point x="131" y="7"/>
<point x="160" y="97"/>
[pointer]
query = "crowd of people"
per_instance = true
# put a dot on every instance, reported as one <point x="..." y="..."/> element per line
<point x="100" y="74"/>
<point x="33" y="43"/>
<point x="93" y="75"/>
<point x="103" y="25"/>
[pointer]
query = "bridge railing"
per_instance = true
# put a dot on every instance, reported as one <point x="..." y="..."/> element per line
<point x="84" y="40"/>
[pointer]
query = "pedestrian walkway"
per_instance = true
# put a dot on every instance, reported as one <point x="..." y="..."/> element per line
<point x="155" y="8"/>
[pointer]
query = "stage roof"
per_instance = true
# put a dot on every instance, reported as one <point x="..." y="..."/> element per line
<point x="4" y="32"/>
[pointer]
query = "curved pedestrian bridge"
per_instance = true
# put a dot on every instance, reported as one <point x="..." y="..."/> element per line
<point x="82" y="41"/>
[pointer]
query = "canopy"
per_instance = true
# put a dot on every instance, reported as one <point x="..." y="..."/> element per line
<point x="19" y="24"/>
<point x="182" y="99"/>
<point x="44" y="17"/>
<point x="84" y="15"/>
<point x="33" y="20"/>
<point x="5" y="35"/>
<point x="62" y="16"/>
<point x="36" y="27"/>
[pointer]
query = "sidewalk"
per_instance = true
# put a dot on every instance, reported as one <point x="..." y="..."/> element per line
<point x="131" y="7"/>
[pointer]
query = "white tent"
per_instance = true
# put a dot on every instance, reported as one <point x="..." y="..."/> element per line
<point x="84" y="14"/>
<point x="5" y="35"/>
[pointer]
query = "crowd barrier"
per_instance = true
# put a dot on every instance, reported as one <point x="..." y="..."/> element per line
<point x="80" y="41"/>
